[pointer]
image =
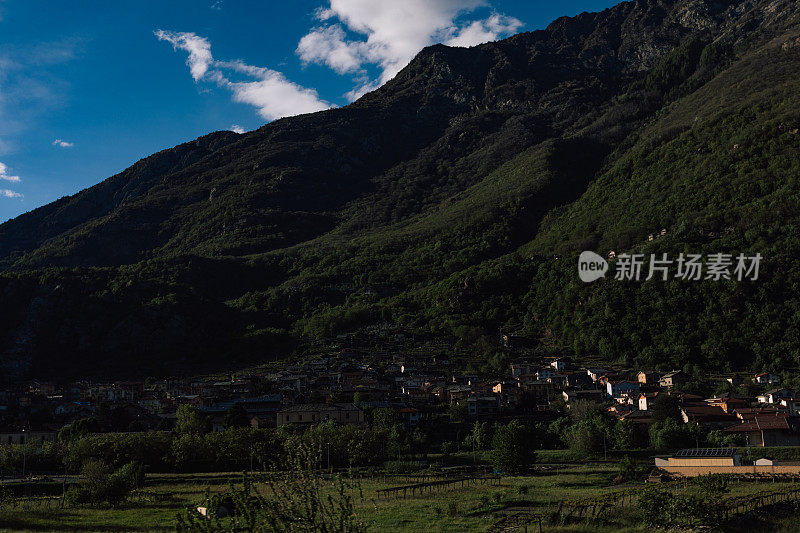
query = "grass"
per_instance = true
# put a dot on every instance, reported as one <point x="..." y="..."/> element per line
<point x="474" y="508"/>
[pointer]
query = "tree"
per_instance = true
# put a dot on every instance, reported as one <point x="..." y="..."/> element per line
<point x="385" y="418"/>
<point x="584" y="409"/>
<point x="101" y="485"/>
<point x="627" y="435"/>
<point x="511" y="452"/>
<point x="482" y="435"/>
<point x="671" y="435"/>
<point x="236" y="417"/>
<point x="190" y="421"/>
<point x="718" y="439"/>
<point x="629" y="469"/>
<point x="666" y="407"/>
<point x="360" y="397"/>
<point x="588" y="436"/>
<point x="458" y="412"/>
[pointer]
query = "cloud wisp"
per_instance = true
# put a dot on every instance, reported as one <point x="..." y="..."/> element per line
<point x="391" y="33"/>
<point x="63" y="144"/>
<point x="269" y="91"/>
<point x="5" y="176"/>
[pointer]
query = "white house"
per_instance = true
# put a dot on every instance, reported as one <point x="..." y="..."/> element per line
<point x="766" y="378"/>
<point x="646" y="400"/>
<point x="775" y="396"/>
<point x="792" y="405"/>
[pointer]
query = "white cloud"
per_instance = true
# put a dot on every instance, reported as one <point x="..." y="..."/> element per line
<point x="63" y="144"/>
<point x="6" y="193"/>
<point x="484" y="31"/>
<point x="198" y="47"/>
<point x="235" y="128"/>
<point x="328" y="46"/>
<point x="393" y="33"/>
<point x="268" y="90"/>
<point x="4" y="175"/>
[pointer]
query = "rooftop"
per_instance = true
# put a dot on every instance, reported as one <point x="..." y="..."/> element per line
<point x="706" y="452"/>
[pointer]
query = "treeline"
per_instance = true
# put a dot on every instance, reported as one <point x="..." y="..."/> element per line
<point x="584" y="429"/>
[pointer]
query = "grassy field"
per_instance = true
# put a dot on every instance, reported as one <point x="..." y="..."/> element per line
<point x="474" y="508"/>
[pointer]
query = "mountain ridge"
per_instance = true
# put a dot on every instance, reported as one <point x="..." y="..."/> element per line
<point x="416" y="208"/>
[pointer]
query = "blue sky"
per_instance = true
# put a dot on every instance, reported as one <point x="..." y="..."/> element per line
<point x="87" y="88"/>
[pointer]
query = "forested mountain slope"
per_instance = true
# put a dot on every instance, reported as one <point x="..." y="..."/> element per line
<point x="453" y="201"/>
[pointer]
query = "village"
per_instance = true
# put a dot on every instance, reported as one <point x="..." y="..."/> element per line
<point x="419" y="389"/>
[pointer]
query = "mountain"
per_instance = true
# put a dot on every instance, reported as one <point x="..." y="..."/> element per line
<point x="450" y="203"/>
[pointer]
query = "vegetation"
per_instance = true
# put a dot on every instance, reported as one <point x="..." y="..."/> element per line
<point x="458" y="219"/>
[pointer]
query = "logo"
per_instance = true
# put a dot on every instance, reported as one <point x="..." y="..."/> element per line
<point x="694" y="267"/>
<point x="591" y="267"/>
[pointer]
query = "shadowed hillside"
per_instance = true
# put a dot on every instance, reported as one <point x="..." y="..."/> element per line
<point x="450" y="202"/>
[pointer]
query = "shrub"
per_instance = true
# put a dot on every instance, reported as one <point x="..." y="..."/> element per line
<point x="452" y="509"/>
<point x="664" y="509"/>
<point x="713" y="484"/>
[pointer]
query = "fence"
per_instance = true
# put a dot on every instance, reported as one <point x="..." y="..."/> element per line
<point x="436" y="486"/>
<point x="739" y="505"/>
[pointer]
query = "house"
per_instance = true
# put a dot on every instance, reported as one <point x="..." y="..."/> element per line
<point x="775" y="396"/>
<point x="708" y="416"/>
<point x="22" y="436"/>
<point x="518" y="369"/>
<point x="648" y="378"/>
<point x="417" y="395"/>
<point x="543" y="374"/>
<point x="508" y="391"/>
<point x="619" y="410"/>
<point x="729" y="405"/>
<point x="735" y="381"/>
<point x="483" y="407"/>
<point x="643" y="418"/>
<point x="558" y="364"/>
<point x="151" y="402"/>
<point x="456" y="393"/>
<point x="729" y="402"/>
<point x="766" y="378"/>
<point x="577" y="379"/>
<point x="540" y="390"/>
<point x="646" y="400"/>
<point x="792" y="406"/>
<point x="766" y="461"/>
<point x="504" y="387"/>
<point x="749" y="413"/>
<point x="315" y="413"/>
<point x="615" y="389"/>
<point x="596" y="373"/>
<point x="410" y="416"/>
<point x="671" y="379"/>
<point x="767" y="430"/>
<point x="593" y="395"/>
